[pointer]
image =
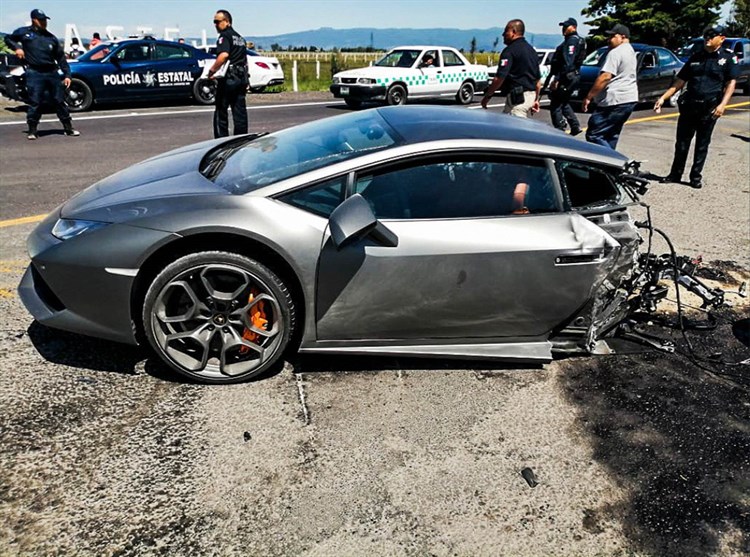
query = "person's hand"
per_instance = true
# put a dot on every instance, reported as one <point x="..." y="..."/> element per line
<point x="553" y="86"/>
<point x="485" y="101"/>
<point x="535" y="107"/>
<point x="718" y="111"/>
<point x="20" y="53"/>
<point x="66" y="82"/>
<point x="658" y="104"/>
<point x="585" y="105"/>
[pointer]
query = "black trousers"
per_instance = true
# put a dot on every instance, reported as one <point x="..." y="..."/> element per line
<point x="44" y="87"/>
<point x="694" y="120"/>
<point x="230" y="94"/>
<point x="560" y="109"/>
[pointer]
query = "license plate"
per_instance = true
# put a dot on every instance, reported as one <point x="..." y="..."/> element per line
<point x="345" y="90"/>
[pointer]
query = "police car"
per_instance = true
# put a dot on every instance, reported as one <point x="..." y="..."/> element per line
<point x="131" y="69"/>
<point x="410" y="72"/>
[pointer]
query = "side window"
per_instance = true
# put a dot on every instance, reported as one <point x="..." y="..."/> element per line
<point x="466" y="187"/>
<point x="665" y="57"/>
<point x="738" y="51"/>
<point x="133" y="53"/>
<point x="649" y="60"/>
<point x="450" y="58"/>
<point x="588" y="187"/>
<point x="169" y="52"/>
<point x="320" y="199"/>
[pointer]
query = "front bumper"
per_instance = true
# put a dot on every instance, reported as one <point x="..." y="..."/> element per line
<point x="358" y="92"/>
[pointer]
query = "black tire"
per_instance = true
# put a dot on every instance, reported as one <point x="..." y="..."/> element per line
<point x="465" y="94"/>
<point x="396" y="95"/>
<point x="204" y="91"/>
<point x="78" y="96"/>
<point x="197" y="316"/>
<point x="352" y="103"/>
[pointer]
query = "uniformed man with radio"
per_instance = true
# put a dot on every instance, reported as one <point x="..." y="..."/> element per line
<point x="710" y="75"/>
<point x="232" y="86"/>
<point x="565" y="73"/>
<point x="47" y="71"/>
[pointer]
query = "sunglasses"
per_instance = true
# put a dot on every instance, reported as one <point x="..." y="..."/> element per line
<point x="709" y="36"/>
<point x="217" y="21"/>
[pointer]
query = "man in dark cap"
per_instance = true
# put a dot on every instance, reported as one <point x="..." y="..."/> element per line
<point x="615" y="90"/>
<point x="565" y="73"/>
<point x="43" y="56"/>
<point x="710" y="75"/>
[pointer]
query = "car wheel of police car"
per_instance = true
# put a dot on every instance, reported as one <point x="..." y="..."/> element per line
<point x="396" y="95"/>
<point x="204" y="91"/>
<point x="78" y="96"/>
<point x="352" y="103"/>
<point x="466" y="93"/>
<point x="218" y="317"/>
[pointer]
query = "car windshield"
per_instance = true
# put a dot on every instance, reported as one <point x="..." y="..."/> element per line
<point x="399" y="58"/>
<point x="596" y="58"/>
<point x="241" y="167"/>
<point x="99" y="52"/>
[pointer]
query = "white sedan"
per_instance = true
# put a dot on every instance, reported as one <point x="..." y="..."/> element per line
<point x="265" y="71"/>
<point x="545" y="62"/>
<point x="412" y="71"/>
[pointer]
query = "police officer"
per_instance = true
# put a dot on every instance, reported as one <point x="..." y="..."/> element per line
<point x="231" y="88"/>
<point x="518" y="75"/>
<point x="710" y="75"/>
<point x="44" y="56"/>
<point x="565" y="70"/>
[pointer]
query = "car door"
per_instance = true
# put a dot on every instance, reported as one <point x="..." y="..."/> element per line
<point x="648" y="73"/>
<point x="669" y="65"/>
<point x="176" y="69"/>
<point x="455" y="71"/>
<point x="483" y="250"/>
<point x="429" y="80"/>
<point x="133" y="76"/>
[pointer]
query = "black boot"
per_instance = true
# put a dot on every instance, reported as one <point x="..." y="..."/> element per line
<point x="68" y="127"/>
<point x="32" y="133"/>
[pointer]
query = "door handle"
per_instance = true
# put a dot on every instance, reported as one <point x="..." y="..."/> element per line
<point x="439" y="72"/>
<point x="579" y="258"/>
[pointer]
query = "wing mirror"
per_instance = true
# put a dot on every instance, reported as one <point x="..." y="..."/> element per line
<point x="354" y="220"/>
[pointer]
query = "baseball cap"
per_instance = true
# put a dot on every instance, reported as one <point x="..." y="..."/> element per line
<point x="39" y="14"/>
<point x="715" y="30"/>
<point x="568" y="22"/>
<point x="619" y="29"/>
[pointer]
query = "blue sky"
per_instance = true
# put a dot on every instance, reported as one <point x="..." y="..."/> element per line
<point x="273" y="17"/>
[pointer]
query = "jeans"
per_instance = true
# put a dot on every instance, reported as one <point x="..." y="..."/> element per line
<point x="230" y="94"/>
<point x="45" y="87"/>
<point x="698" y="122"/>
<point x="606" y="124"/>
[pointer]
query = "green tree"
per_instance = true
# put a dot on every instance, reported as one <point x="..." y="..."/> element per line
<point x="473" y="46"/>
<point x="739" y="23"/>
<point x="670" y="22"/>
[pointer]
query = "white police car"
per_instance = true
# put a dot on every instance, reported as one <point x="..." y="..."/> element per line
<point x="412" y="71"/>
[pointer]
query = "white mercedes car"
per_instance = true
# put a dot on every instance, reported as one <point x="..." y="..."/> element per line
<point x="265" y="71"/>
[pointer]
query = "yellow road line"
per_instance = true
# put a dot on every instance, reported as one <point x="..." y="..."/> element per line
<point x="22" y="220"/>
<point x="676" y="114"/>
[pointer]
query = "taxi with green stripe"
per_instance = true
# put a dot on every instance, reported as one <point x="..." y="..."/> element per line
<point x="412" y="72"/>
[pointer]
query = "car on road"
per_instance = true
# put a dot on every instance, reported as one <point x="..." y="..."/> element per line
<point x="657" y="67"/>
<point x="545" y="63"/>
<point x="265" y="71"/>
<point x="416" y="231"/>
<point x="404" y="73"/>
<point x="128" y="70"/>
<point x="740" y="46"/>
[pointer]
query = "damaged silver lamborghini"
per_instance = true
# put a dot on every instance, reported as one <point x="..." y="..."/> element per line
<point x="419" y="231"/>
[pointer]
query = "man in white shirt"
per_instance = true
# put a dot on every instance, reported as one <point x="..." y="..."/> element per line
<point x="615" y="91"/>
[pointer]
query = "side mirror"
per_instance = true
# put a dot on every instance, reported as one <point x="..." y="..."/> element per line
<point x="353" y="220"/>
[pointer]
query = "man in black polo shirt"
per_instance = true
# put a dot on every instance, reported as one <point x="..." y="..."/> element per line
<point x="710" y="75"/>
<point x="43" y="55"/>
<point x="231" y="88"/>
<point x="518" y="75"/>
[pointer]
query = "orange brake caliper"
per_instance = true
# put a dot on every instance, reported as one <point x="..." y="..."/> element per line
<point x="257" y="318"/>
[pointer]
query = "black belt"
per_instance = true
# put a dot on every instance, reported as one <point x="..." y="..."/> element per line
<point x="43" y="68"/>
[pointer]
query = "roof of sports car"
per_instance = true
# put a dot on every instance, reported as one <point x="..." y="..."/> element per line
<point x="417" y="124"/>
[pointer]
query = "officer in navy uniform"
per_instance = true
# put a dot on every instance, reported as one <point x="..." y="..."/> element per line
<point x="230" y="89"/>
<point x="565" y="70"/>
<point x="710" y="75"/>
<point x="45" y="59"/>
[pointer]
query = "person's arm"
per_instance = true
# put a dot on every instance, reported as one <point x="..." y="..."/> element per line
<point x="497" y="82"/>
<point x="569" y="55"/>
<point x="677" y="84"/>
<point x="220" y="59"/>
<point x="13" y="40"/>
<point x="503" y="69"/>
<point x="598" y="86"/>
<point x="62" y="63"/>
<point x="535" y="107"/>
<point x="728" y="92"/>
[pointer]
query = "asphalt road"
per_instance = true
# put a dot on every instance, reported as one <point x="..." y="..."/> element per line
<point x="104" y="452"/>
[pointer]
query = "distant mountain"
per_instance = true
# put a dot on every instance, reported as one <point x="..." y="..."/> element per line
<point x="328" y="38"/>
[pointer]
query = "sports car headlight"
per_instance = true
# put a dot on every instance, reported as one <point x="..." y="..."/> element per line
<point x="337" y="80"/>
<point x="65" y="229"/>
<point x="366" y="81"/>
